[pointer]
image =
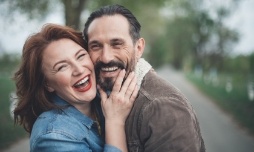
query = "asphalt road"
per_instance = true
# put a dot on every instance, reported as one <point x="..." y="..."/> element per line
<point x="220" y="132"/>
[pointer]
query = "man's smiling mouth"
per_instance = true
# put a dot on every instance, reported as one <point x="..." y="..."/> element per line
<point x="109" y="69"/>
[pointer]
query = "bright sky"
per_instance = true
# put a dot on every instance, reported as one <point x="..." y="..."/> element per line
<point x="13" y="36"/>
<point x="241" y="19"/>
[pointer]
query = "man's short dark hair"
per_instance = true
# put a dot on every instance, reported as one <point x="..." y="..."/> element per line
<point x="111" y="10"/>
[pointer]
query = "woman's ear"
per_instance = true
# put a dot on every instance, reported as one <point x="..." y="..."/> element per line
<point x="140" y="46"/>
<point x="50" y="89"/>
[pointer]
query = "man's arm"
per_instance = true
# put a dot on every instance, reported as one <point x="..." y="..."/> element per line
<point x="170" y="124"/>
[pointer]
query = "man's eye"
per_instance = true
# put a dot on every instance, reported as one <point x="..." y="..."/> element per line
<point x="116" y="45"/>
<point x="94" y="47"/>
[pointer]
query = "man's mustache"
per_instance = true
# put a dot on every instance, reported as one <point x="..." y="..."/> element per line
<point x="100" y="65"/>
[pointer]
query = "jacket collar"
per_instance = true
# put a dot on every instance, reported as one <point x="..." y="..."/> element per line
<point x="141" y="69"/>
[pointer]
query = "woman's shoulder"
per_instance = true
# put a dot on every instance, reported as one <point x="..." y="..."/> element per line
<point x="55" y="129"/>
<point x="57" y="122"/>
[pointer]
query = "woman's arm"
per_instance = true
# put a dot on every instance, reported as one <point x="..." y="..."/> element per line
<point x="117" y="107"/>
<point x="57" y="142"/>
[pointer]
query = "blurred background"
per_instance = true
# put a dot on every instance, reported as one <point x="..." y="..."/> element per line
<point x="210" y="42"/>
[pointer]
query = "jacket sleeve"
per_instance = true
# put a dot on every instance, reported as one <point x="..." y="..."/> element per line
<point x="170" y="124"/>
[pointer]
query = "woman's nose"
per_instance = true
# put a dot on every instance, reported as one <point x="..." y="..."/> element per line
<point x="78" y="69"/>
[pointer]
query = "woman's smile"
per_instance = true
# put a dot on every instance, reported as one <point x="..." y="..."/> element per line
<point x="83" y="85"/>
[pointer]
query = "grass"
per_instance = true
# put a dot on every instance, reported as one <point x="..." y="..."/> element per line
<point x="9" y="133"/>
<point x="235" y="102"/>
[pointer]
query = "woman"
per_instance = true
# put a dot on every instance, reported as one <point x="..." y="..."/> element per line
<point x="56" y="91"/>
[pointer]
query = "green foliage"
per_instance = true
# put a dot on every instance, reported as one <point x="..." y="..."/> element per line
<point x="8" y="62"/>
<point x="189" y="29"/>
<point x="33" y="9"/>
<point x="251" y="59"/>
<point x="8" y="132"/>
<point x="134" y="5"/>
<point x="158" y="55"/>
<point x="238" y="64"/>
<point x="179" y="41"/>
<point x="192" y="31"/>
<point x="235" y="102"/>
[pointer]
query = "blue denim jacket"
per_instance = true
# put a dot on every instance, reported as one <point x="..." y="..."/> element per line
<point x="66" y="130"/>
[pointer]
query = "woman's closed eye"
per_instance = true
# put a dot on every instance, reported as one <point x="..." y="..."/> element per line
<point x="62" y="67"/>
<point x="81" y="56"/>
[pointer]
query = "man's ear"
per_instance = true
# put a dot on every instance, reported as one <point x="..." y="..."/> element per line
<point x="140" y="46"/>
<point x="50" y="89"/>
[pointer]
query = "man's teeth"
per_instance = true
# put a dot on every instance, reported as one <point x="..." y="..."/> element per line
<point x="109" y="69"/>
<point x="82" y="81"/>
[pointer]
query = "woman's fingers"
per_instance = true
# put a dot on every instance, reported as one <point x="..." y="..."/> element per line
<point x="126" y="89"/>
<point x="130" y="89"/>
<point x="123" y="94"/>
<point x="127" y="83"/>
<point x="103" y="94"/>
<point x="117" y="106"/>
<point x="118" y="82"/>
<point x="134" y="94"/>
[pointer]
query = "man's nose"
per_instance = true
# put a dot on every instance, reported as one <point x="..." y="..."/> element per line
<point x="107" y="54"/>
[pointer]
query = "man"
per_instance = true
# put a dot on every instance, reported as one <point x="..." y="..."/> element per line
<point x="162" y="119"/>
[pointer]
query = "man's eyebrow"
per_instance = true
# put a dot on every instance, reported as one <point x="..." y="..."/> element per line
<point x="93" y="42"/>
<point x="117" y="40"/>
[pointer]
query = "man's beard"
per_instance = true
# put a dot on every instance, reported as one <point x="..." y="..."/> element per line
<point x="107" y="83"/>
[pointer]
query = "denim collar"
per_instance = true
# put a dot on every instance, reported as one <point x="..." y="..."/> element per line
<point x="73" y="112"/>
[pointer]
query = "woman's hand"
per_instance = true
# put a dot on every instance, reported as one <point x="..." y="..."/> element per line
<point x="118" y="105"/>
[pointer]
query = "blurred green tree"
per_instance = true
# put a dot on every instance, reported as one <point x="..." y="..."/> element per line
<point x="188" y="31"/>
<point x="240" y="64"/>
<point x="251" y="59"/>
<point x="40" y="9"/>
<point x="8" y="63"/>
<point x="192" y="31"/>
<point x="225" y="40"/>
<point x="72" y="9"/>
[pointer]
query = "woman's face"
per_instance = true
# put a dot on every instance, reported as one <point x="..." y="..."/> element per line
<point x="69" y="72"/>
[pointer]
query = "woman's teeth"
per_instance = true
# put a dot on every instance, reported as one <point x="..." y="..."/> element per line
<point x="82" y="82"/>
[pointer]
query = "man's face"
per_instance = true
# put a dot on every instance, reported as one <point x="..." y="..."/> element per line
<point x="111" y="49"/>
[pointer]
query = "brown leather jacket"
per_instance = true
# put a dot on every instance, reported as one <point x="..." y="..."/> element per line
<point x="162" y="120"/>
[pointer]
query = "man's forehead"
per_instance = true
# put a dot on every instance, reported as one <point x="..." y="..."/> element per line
<point x="108" y="28"/>
<point x="106" y="22"/>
